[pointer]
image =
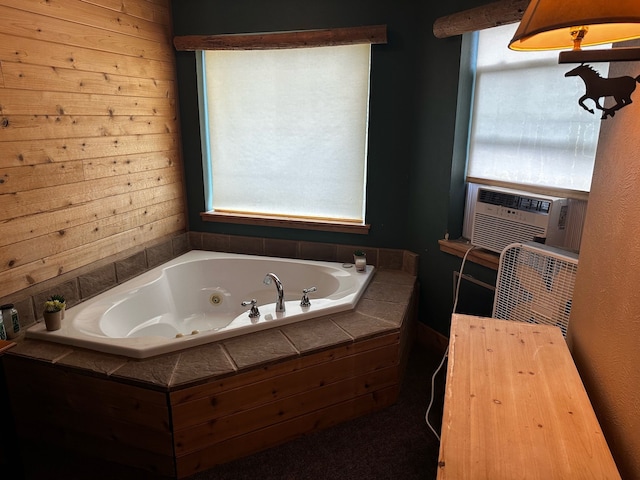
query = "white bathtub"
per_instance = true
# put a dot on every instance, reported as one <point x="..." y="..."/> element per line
<point x="196" y="299"/>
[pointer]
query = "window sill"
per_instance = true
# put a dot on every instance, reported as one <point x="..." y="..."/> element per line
<point x="478" y="255"/>
<point x="286" y="222"/>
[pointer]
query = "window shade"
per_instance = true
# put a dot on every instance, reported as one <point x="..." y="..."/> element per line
<point x="527" y="127"/>
<point x="287" y="130"/>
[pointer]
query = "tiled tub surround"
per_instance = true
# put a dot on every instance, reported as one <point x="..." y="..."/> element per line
<point x="200" y="297"/>
<point x="86" y="282"/>
<point x="181" y="413"/>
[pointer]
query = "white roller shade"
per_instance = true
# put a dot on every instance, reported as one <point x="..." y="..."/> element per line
<point x="287" y="130"/>
<point x="527" y="127"/>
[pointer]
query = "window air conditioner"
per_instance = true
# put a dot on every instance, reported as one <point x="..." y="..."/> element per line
<point x="503" y="216"/>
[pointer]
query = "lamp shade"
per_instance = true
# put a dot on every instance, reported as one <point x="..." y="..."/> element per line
<point x="547" y="24"/>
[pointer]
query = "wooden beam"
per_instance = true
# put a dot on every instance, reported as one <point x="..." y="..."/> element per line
<point x="493" y="14"/>
<point x="375" y="34"/>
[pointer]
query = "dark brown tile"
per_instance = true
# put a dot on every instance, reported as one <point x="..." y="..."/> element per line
<point x="411" y="262"/>
<point x="319" y="251"/>
<point x="180" y="244"/>
<point x="258" y="348"/>
<point x="195" y="240"/>
<point x="280" y="248"/>
<point x="159" y="254"/>
<point x="388" y="311"/>
<point x="131" y="266"/>
<point x="47" y="351"/>
<point x="388" y="292"/>
<point x="94" y="361"/>
<point x="200" y="363"/>
<point x="97" y="281"/>
<point x="359" y="325"/>
<point x="215" y="242"/>
<point x="247" y="245"/>
<point x="391" y="259"/>
<point x="26" y="313"/>
<point x="396" y="277"/>
<point x="154" y="371"/>
<point x="315" y="334"/>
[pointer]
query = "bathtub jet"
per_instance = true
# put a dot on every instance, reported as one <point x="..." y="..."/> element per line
<point x="201" y="297"/>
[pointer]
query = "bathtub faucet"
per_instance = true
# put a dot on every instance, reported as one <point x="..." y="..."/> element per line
<point x="279" y="288"/>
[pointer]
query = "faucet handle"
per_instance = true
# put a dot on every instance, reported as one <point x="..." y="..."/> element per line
<point x="254" y="312"/>
<point x="305" y="297"/>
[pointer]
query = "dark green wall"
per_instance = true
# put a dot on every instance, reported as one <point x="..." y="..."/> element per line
<point x="415" y="189"/>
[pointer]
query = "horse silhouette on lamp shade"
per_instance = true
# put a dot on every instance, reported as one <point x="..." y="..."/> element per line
<point x="597" y="87"/>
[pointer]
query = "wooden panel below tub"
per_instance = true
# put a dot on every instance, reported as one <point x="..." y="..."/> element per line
<point x="241" y="415"/>
<point x="291" y="378"/>
<point x="243" y="422"/>
<point x="279" y="433"/>
<point x="122" y="423"/>
<point x="177" y="433"/>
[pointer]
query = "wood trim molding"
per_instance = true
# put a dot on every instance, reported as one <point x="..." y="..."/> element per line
<point x="493" y="14"/>
<point x="286" y="222"/>
<point x="478" y="255"/>
<point x="431" y="340"/>
<point x="376" y="34"/>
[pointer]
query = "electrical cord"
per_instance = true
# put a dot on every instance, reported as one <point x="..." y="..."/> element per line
<point x="446" y="353"/>
<point x="464" y="260"/>
<point x="433" y="381"/>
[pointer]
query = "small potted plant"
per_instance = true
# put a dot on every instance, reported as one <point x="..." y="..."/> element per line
<point x="53" y="312"/>
<point x="360" y="260"/>
<point x="59" y="298"/>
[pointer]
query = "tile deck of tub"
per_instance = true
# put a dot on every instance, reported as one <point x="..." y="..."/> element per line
<point x="381" y="310"/>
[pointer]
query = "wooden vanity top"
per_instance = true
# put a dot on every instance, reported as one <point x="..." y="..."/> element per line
<point x="515" y="407"/>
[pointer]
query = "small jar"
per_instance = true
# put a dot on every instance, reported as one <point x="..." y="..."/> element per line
<point x="360" y="261"/>
<point x="11" y="320"/>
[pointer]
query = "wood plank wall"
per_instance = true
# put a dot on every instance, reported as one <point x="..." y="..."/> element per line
<point x="90" y="159"/>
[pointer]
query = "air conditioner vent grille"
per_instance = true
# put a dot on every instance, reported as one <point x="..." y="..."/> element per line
<point x="516" y="202"/>
<point x="486" y="226"/>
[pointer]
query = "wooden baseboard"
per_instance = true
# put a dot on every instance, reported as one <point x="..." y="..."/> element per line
<point x="431" y="340"/>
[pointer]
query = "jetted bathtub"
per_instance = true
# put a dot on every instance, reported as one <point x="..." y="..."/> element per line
<point x="197" y="298"/>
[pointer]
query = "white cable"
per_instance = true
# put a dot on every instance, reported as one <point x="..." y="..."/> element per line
<point x="433" y="377"/>
<point x="464" y="259"/>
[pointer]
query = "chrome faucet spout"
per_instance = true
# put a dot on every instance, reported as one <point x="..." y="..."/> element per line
<point x="279" y="288"/>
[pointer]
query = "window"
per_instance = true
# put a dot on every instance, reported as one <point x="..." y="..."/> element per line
<point x="527" y="128"/>
<point x="285" y="131"/>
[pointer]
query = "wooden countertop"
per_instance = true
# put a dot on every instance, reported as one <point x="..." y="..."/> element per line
<point x="515" y="407"/>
